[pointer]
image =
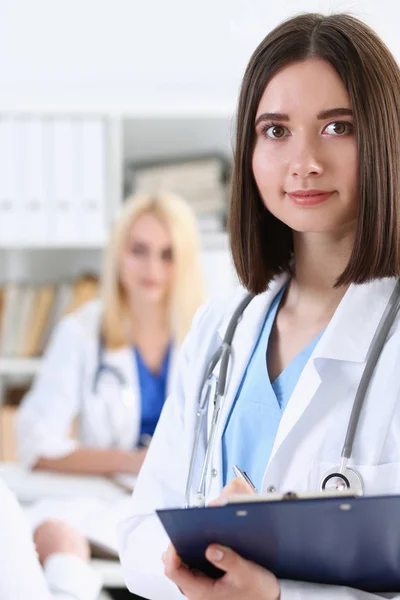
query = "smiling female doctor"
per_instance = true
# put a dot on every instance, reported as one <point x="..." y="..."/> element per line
<point x="314" y="231"/>
<point x="109" y="363"/>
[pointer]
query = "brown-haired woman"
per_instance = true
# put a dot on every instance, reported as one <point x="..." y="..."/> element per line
<point x="314" y="230"/>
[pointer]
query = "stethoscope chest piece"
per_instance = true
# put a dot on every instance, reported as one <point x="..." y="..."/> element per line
<point x="349" y="480"/>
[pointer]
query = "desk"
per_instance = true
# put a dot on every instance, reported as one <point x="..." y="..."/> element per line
<point x="36" y="491"/>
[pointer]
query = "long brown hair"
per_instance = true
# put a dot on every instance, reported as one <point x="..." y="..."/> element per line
<point x="261" y="245"/>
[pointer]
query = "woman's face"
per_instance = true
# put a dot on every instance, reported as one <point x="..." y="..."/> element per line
<point x="305" y="155"/>
<point x="146" y="267"/>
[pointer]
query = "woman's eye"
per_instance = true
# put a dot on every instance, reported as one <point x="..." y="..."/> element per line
<point x="338" y="128"/>
<point x="138" y="251"/>
<point x="276" y="132"/>
<point x="167" y="256"/>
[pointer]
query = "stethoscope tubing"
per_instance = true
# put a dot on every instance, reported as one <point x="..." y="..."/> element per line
<point x="377" y="344"/>
<point x="222" y="356"/>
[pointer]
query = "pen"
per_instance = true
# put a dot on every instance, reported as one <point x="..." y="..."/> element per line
<point x="243" y="475"/>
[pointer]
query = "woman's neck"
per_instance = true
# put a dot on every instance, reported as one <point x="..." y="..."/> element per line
<point x="148" y="320"/>
<point x="319" y="262"/>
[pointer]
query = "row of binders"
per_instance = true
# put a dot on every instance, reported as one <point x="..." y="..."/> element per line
<point x="29" y="313"/>
<point x="53" y="180"/>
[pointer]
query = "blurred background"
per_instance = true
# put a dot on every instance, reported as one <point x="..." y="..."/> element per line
<point x="100" y="99"/>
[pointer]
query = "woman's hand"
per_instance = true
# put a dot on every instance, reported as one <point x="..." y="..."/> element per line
<point x="54" y="536"/>
<point x="234" y="487"/>
<point x="242" y="579"/>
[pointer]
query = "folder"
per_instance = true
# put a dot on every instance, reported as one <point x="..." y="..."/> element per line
<point x="93" y="180"/>
<point x="10" y="181"/>
<point x="347" y="541"/>
<point x="34" y="201"/>
<point x="62" y="164"/>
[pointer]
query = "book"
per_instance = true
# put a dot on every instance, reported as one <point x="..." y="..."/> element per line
<point x="63" y="298"/>
<point x="83" y="289"/>
<point x="11" y="315"/>
<point x="26" y="318"/>
<point x="39" y="317"/>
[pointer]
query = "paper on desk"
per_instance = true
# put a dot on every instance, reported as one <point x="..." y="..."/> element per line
<point x="125" y="480"/>
<point x="96" y="519"/>
<point x="30" y="486"/>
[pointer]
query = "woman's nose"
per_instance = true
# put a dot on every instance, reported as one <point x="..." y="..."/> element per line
<point x="306" y="157"/>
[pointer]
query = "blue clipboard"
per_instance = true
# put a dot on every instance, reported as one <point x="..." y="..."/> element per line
<point x="349" y="541"/>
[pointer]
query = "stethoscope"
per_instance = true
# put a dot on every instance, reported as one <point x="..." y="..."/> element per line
<point x="126" y="392"/>
<point x="103" y="368"/>
<point x="213" y="386"/>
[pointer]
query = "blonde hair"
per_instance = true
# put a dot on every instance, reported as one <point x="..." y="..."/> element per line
<point x="187" y="289"/>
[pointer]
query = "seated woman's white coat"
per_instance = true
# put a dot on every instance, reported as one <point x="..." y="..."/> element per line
<point x="63" y="391"/>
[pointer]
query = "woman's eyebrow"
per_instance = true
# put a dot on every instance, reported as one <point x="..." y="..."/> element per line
<point x="325" y="114"/>
<point x="335" y="112"/>
<point x="272" y="117"/>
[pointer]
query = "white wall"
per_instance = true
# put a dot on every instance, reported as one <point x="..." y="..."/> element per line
<point x="149" y="53"/>
<point x="160" y="61"/>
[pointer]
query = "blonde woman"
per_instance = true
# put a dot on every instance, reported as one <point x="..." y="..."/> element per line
<point x="108" y="366"/>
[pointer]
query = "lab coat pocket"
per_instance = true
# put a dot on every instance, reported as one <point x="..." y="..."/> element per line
<point x="377" y="479"/>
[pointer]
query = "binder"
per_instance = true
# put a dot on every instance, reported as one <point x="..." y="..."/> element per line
<point x="10" y="181"/>
<point x="34" y="209"/>
<point x="93" y="180"/>
<point x="351" y="542"/>
<point x="62" y="161"/>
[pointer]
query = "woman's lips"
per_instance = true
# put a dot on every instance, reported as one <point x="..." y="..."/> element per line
<point x="309" y="197"/>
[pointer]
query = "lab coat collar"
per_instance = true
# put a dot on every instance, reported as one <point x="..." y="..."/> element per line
<point x="350" y="332"/>
<point x="254" y="315"/>
<point x="348" y="338"/>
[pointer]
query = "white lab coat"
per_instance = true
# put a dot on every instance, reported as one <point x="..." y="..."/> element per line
<point x="65" y="576"/>
<point x="63" y="391"/>
<point x="310" y="435"/>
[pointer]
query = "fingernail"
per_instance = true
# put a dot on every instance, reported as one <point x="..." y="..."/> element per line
<point x="216" y="554"/>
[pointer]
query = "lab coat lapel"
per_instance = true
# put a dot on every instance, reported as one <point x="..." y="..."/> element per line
<point x="123" y="360"/>
<point x="172" y="364"/>
<point x="245" y="338"/>
<point x="348" y="338"/>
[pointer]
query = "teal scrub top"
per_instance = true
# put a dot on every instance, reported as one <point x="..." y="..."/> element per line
<point x="254" y="419"/>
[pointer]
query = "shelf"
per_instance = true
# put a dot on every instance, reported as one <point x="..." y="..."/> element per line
<point x="51" y="246"/>
<point x="209" y="239"/>
<point x="19" y="366"/>
<point x="112" y="106"/>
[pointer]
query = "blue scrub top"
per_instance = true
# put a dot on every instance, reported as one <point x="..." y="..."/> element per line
<point x="254" y="419"/>
<point x="153" y="388"/>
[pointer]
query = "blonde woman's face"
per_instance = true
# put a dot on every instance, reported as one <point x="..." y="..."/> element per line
<point x="146" y="269"/>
